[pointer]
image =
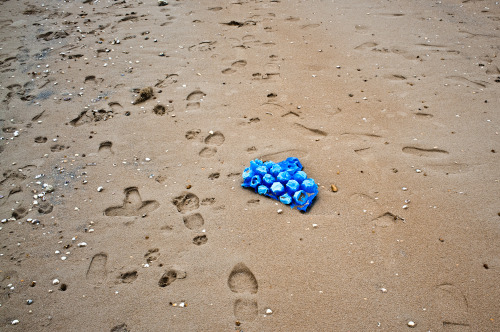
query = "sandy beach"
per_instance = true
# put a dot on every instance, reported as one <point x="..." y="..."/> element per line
<point x="127" y="125"/>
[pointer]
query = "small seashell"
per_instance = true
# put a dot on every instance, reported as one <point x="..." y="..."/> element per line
<point x="412" y="324"/>
<point x="82" y="244"/>
<point x="405" y="206"/>
<point x="15" y="322"/>
<point x="269" y="311"/>
<point x="280" y="211"/>
<point x="55" y="282"/>
<point x="99" y="189"/>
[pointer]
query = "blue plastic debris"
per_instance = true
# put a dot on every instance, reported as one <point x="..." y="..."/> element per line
<point x="284" y="181"/>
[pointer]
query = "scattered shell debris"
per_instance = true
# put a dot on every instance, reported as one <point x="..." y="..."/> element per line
<point x="181" y="304"/>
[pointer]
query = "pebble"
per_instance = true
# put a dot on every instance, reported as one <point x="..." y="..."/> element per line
<point x="269" y="311"/>
<point x="55" y="282"/>
<point x="28" y="302"/>
<point x="15" y="322"/>
<point x="99" y="189"/>
<point x="82" y="244"/>
<point x="280" y="211"/>
<point x="412" y="324"/>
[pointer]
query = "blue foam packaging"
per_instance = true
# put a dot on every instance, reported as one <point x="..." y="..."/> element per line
<point x="284" y="181"/>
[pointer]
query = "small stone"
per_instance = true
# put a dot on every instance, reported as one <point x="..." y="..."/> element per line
<point x="383" y="290"/>
<point x="49" y="188"/>
<point x="29" y="302"/>
<point x="405" y="206"/>
<point x="99" y="189"/>
<point x="55" y="282"/>
<point x="412" y="324"/>
<point x="269" y="311"/>
<point x="334" y="188"/>
<point x="162" y="3"/>
<point x="82" y="244"/>
<point x="280" y="211"/>
<point x="15" y="322"/>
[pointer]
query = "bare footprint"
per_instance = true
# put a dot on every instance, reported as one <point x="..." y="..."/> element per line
<point x="132" y="205"/>
<point x="190" y="134"/>
<point x="96" y="272"/>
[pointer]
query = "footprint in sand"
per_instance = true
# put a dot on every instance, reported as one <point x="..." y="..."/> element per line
<point x="105" y="149"/>
<point x="170" y="276"/>
<point x="194" y="100"/>
<point x="128" y="277"/>
<point x="385" y="228"/>
<point x="120" y="328"/>
<point x="234" y="67"/>
<point x="161" y="110"/>
<point x="452" y="306"/>
<point x="243" y="282"/>
<point x="133" y="205"/>
<point x="212" y="140"/>
<point x="96" y="272"/>
<point x="188" y="203"/>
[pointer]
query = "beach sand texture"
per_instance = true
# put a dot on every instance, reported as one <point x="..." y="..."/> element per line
<point x="127" y="124"/>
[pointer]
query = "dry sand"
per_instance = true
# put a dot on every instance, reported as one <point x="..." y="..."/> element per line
<point x="394" y="102"/>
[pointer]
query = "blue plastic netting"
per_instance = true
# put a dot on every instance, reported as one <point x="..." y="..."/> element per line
<point x="284" y="181"/>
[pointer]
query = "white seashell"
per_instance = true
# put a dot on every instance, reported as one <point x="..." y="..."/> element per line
<point x="55" y="282"/>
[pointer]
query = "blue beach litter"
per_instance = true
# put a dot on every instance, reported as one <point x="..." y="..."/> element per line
<point x="284" y="182"/>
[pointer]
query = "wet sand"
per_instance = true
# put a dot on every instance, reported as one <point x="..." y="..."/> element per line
<point x="130" y="197"/>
